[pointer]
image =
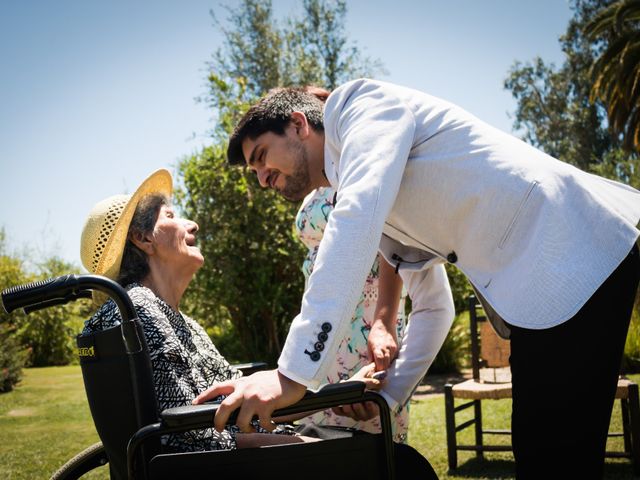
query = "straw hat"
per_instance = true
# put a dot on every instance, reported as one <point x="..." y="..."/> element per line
<point x="105" y="232"/>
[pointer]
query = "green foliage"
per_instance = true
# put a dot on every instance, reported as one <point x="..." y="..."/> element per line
<point x="631" y="358"/>
<point x="621" y="166"/>
<point x="12" y="358"/>
<point x="555" y="111"/>
<point x="47" y="334"/>
<point x="615" y="32"/>
<point x="50" y="333"/>
<point x="455" y="352"/>
<point x="312" y="49"/>
<point x="251" y="285"/>
<point x="460" y="287"/>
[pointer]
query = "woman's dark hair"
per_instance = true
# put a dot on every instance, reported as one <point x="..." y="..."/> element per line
<point x="135" y="265"/>
<point x="273" y="113"/>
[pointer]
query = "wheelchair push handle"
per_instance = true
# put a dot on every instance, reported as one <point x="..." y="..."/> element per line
<point x="43" y="291"/>
<point x="64" y="289"/>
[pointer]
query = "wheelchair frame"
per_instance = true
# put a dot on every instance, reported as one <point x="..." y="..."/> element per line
<point x="67" y="288"/>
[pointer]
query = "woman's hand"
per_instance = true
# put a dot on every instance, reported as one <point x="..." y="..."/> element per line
<point x="366" y="375"/>
<point x="365" y="410"/>
<point x="382" y="344"/>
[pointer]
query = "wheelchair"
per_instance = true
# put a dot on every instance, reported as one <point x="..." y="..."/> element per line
<point x="117" y="375"/>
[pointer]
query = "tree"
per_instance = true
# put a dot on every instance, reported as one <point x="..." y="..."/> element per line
<point x="250" y="287"/>
<point x="13" y="356"/>
<point x="616" y="72"/>
<point x="554" y="111"/>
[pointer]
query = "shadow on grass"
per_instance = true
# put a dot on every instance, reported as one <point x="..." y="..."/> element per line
<point x="506" y="469"/>
<point x="478" y="467"/>
<point x="618" y="470"/>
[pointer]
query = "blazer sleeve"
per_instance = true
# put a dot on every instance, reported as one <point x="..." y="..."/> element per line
<point x="373" y="131"/>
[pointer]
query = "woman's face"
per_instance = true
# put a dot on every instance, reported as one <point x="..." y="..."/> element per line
<point x="174" y="240"/>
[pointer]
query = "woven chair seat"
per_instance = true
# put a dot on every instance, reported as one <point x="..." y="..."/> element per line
<point x="472" y="389"/>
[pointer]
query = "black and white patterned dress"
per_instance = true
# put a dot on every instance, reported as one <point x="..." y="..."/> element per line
<point x="185" y="362"/>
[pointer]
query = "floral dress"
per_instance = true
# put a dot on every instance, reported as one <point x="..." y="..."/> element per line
<point x="352" y="352"/>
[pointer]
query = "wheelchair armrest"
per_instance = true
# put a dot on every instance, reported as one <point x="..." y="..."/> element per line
<point x="190" y="417"/>
<point x="201" y="416"/>
<point x="251" y="367"/>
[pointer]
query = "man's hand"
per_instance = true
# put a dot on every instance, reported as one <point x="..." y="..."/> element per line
<point x="382" y="344"/>
<point x="256" y="395"/>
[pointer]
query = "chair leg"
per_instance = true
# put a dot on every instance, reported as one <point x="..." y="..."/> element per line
<point x="626" y="429"/>
<point x="450" y="419"/>
<point x="477" y="411"/>
<point x="634" y="423"/>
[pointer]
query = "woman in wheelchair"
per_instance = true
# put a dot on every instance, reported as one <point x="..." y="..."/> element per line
<point x="139" y="241"/>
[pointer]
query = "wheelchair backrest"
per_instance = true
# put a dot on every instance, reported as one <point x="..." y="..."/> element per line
<point x="108" y="372"/>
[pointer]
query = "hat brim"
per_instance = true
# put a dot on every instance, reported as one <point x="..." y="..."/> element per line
<point x="159" y="182"/>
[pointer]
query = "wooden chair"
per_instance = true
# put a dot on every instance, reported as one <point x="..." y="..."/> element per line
<point x="491" y="380"/>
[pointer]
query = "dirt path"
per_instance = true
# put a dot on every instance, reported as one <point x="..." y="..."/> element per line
<point x="433" y="384"/>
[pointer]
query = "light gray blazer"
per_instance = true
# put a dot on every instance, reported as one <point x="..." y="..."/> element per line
<point x="426" y="182"/>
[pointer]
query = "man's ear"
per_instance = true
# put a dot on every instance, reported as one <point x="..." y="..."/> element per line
<point x="143" y="242"/>
<point x="301" y="124"/>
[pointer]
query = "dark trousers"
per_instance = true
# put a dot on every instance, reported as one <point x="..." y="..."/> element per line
<point x="564" y="382"/>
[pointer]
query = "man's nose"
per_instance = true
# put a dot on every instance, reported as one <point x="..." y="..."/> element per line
<point x="263" y="175"/>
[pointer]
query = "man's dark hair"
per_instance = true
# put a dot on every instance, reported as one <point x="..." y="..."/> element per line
<point x="273" y="113"/>
<point x="135" y="265"/>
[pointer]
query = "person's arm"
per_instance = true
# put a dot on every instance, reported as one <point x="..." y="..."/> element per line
<point x="372" y="132"/>
<point x="364" y="375"/>
<point x="432" y="314"/>
<point x="383" y="337"/>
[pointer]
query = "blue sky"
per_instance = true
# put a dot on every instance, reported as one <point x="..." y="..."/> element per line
<point x="94" y="96"/>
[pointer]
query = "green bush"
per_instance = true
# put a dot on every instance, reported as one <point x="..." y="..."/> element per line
<point x="12" y="358"/>
<point x="631" y="358"/>
<point x="48" y="335"/>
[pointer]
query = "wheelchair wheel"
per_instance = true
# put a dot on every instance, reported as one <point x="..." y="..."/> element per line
<point x="88" y="459"/>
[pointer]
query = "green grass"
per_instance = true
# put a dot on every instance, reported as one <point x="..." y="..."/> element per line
<point x="427" y="434"/>
<point x="45" y="421"/>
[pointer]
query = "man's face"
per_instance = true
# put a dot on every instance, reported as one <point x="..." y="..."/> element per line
<point x="280" y="162"/>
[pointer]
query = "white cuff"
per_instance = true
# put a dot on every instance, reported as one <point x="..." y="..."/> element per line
<point x="393" y="404"/>
<point x="310" y="384"/>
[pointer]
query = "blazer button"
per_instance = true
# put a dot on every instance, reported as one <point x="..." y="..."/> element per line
<point x="323" y="337"/>
<point x="315" y="356"/>
<point x="452" y="257"/>
<point x="326" y="327"/>
<point x="319" y="346"/>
